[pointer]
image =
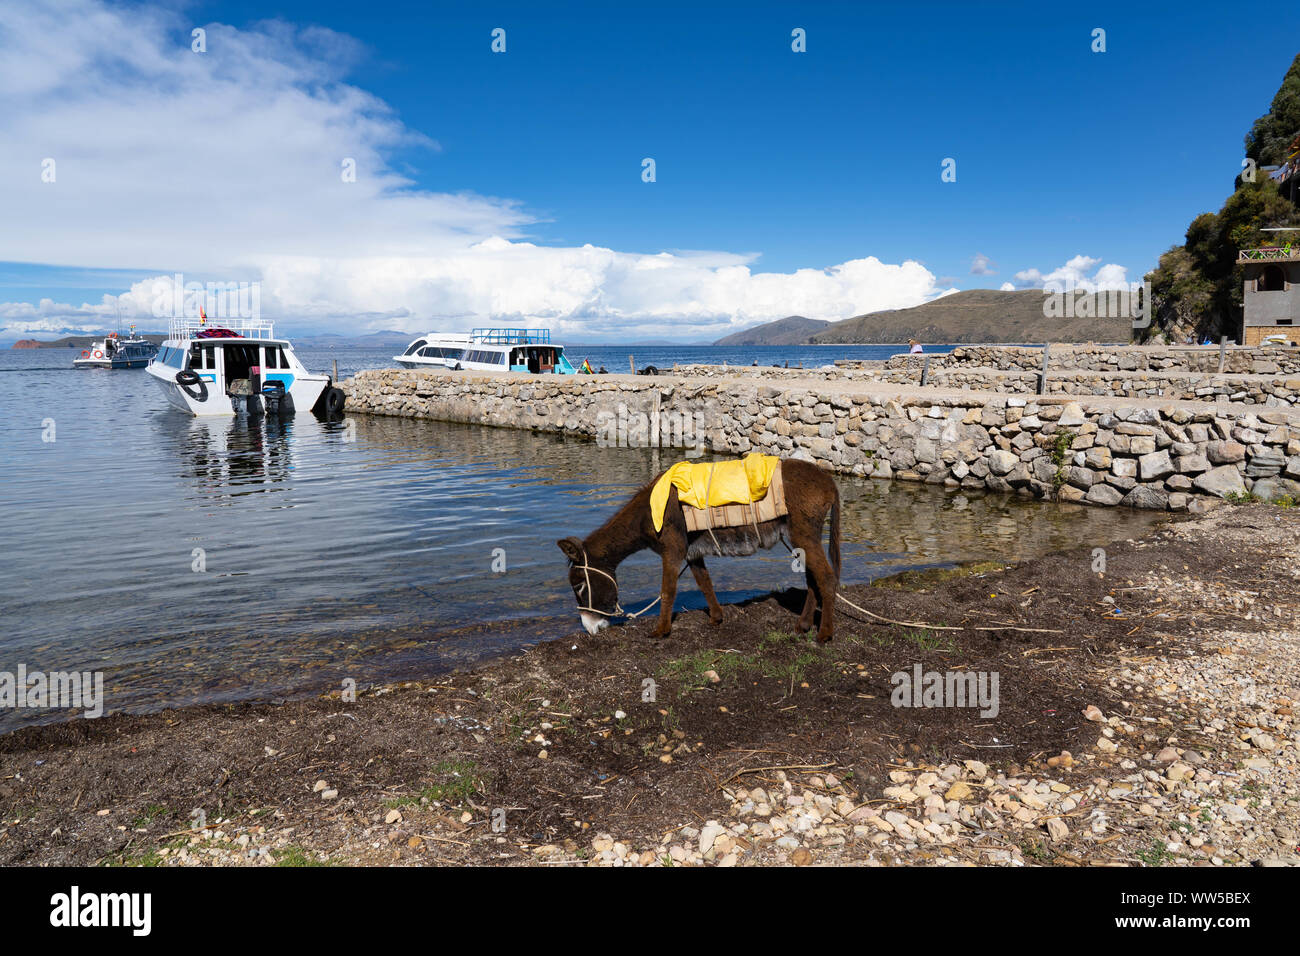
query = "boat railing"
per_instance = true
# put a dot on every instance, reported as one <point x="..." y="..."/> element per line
<point x="486" y="336"/>
<point x="189" y="327"/>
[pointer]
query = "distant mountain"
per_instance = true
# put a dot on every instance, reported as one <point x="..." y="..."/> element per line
<point x="977" y="315"/>
<point x="74" y="341"/>
<point x="377" y="340"/>
<point x="792" y="330"/>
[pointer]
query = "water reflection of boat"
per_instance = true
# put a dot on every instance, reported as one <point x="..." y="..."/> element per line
<point x="228" y="458"/>
<point x="116" y="352"/>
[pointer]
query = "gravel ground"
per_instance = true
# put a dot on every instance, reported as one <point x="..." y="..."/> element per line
<point x="1146" y="719"/>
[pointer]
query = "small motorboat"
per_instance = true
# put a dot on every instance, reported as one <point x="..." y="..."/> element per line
<point x="238" y="367"/>
<point x="117" y="352"/>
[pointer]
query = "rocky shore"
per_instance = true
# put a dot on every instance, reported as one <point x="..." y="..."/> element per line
<point x="1145" y="717"/>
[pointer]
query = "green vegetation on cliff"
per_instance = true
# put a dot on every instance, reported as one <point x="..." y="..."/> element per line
<point x="1197" y="287"/>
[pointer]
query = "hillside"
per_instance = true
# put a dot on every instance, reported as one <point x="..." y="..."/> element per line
<point x="977" y="315"/>
<point x="792" y="330"/>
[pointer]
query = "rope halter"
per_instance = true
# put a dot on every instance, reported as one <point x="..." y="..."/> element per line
<point x="586" y="568"/>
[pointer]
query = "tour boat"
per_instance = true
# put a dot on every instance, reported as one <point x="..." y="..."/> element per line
<point x="489" y="350"/>
<point x="116" y="352"/>
<point x="238" y="366"/>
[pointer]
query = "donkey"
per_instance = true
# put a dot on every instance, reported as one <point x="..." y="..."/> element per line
<point x="810" y="494"/>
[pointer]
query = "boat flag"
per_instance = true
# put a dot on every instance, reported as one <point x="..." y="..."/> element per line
<point x="586" y="368"/>
<point x="203" y="316"/>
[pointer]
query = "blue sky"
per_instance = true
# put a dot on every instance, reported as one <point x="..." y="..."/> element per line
<point x="780" y="160"/>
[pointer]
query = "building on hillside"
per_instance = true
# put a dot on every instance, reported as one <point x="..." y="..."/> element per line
<point x="1271" y="297"/>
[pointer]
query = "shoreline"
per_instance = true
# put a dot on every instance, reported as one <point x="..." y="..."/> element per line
<point x="793" y="754"/>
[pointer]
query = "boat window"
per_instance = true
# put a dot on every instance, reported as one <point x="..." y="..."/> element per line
<point x="196" y="357"/>
<point x="417" y="344"/>
<point x="272" y="357"/>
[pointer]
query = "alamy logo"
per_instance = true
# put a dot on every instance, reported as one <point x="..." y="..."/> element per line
<point x="175" y="298"/>
<point x="1069" y="300"/>
<point x="946" y="689"/>
<point x="75" y="908"/>
<point x="56" y="690"/>
<point x="672" y="429"/>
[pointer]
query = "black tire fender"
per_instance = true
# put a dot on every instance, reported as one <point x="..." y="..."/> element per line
<point x="187" y="379"/>
<point x="335" y="399"/>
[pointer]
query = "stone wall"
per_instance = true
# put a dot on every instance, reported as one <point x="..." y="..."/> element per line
<point x="1112" y="358"/>
<point x="1017" y="375"/>
<point x="1174" y="387"/>
<point x="1095" y="451"/>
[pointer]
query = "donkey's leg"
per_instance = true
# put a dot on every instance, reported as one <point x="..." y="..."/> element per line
<point x="824" y="579"/>
<point x="805" y="621"/>
<point x="706" y="585"/>
<point x="820" y="574"/>
<point x="667" y="595"/>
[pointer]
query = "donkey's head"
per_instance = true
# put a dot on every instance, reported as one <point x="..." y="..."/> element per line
<point x="595" y="587"/>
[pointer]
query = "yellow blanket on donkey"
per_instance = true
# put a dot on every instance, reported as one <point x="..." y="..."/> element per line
<point x="736" y="482"/>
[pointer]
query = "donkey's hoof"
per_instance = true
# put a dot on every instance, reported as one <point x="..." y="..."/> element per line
<point x="825" y="638"/>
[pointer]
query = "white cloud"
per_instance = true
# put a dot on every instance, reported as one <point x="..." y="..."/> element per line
<point x="1006" y="287"/>
<point x="1074" y="275"/>
<point x="982" y="265"/>
<point x="226" y="166"/>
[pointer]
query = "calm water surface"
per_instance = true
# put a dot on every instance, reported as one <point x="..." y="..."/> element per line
<point x="227" y="560"/>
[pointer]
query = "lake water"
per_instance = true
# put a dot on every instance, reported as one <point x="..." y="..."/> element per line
<point x="230" y="560"/>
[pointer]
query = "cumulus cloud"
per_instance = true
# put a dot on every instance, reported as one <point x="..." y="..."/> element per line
<point x="982" y="265"/>
<point x="227" y="166"/>
<point x="1074" y="275"/>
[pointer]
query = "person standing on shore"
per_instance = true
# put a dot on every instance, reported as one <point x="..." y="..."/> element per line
<point x="915" y="348"/>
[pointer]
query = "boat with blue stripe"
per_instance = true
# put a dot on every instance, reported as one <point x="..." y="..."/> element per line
<point x="237" y="366"/>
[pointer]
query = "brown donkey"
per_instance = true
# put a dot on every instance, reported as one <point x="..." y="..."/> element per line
<point x="809" y="493"/>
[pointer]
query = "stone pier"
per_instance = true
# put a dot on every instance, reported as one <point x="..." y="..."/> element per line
<point x="1102" y="450"/>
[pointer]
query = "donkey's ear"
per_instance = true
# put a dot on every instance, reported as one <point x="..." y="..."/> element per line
<point x="572" y="548"/>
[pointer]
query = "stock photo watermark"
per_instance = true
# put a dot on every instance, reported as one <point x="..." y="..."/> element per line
<point x="57" y="690"/>
<point x="175" y="298"/>
<point x="1068" y="299"/>
<point x="112" y="910"/>
<point x="922" y="688"/>
<point x="669" y="428"/>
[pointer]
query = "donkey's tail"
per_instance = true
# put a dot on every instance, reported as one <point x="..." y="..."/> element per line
<point x="835" y="534"/>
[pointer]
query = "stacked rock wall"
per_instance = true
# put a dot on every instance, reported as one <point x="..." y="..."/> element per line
<point x="1171" y="457"/>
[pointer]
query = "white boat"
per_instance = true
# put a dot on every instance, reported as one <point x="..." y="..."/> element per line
<point x="434" y="349"/>
<point x="116" y="352"/>
<point x="228" y="366"/>
<point x="489" y="350"/>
